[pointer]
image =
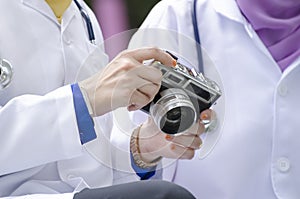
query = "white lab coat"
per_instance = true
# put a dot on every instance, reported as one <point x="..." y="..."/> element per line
<point x="41" y="151"/>
<point x="256" y="152"/>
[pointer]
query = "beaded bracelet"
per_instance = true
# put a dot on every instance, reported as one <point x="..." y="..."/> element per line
<point x="136" y="153"/>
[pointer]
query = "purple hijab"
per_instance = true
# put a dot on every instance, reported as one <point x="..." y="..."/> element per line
<point x="277" y="22"/>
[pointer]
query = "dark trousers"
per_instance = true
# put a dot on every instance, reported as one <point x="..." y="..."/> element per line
<point x="152" y="189"/>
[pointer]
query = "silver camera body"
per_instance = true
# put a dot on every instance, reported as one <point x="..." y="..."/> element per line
<point x="183" y="95"/>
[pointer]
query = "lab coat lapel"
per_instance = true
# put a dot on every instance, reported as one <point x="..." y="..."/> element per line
<point x="69" y="14"/>
<point x="41" y="7"/>
<point x="230" y="10"/>
<point x="292" y="67"/>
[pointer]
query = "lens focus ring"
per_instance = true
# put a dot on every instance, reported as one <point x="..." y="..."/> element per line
<point x="174" y="112"/>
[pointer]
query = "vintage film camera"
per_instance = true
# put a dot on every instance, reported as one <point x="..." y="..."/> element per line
<point x="183" y="94"/>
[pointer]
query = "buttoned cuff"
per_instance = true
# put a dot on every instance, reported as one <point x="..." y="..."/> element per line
<point x="85" y="122"/>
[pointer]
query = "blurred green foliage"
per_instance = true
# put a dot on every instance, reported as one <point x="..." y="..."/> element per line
<point x="137" y="10"/>
<point x="89" y="2"/>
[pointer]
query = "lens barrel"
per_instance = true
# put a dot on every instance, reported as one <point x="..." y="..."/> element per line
<point x="174" y="112"/>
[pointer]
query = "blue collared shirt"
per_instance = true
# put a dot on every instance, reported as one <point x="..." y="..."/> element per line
<point x="85" y="122"/>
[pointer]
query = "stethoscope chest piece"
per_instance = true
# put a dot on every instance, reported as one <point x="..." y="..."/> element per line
<point x="6" y="73"/>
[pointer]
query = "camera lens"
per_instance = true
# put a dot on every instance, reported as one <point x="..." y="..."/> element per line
<point x="174" y="115"/>
<point x="173" y="112"/>
<point x="177" y="120"/>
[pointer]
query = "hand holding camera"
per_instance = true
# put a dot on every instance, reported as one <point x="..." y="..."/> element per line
<point x="181" y="111"/>
<point x="154" y="144"/>
<point x="125" y="81"/>
<point x="183" y="95"/>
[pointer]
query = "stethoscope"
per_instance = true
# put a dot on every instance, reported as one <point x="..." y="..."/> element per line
<point x="6" y="73"/>
<point x="88" y="22"/>
<point x="197" y="37"/>
<point x="6" y="69"/>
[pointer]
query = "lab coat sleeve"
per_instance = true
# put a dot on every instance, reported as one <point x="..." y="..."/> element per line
<point x="36" y="130"/>
<point x="43" y="196"/>
<point x="85" y="122"/>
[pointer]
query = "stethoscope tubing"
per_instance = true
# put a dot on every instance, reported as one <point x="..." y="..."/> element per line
<point x="6" y="71"/>
<point x="88" y="22"/>
<point x="197" y="37"/>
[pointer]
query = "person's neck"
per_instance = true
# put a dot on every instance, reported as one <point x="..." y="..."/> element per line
<point x="59" y="7"/>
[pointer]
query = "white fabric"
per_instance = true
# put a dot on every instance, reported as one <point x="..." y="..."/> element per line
<point x="43" y="196"/>
<point x="41" y="151"/>
<point x="255" y="154"/>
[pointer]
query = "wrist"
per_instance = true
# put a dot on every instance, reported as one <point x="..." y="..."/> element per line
<point x="86" y="99"/>
<point x="150" y="141"/>
<point x="142" y="159"/>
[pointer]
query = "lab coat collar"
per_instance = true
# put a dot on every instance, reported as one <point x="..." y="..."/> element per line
<point x="295" y="65"/>
<point x="42" y="7"/>
<point x="229" y="9"/>
<point x="68" y="15"/>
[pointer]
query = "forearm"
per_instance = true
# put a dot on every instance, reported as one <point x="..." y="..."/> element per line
<point x="31" y="125"/>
